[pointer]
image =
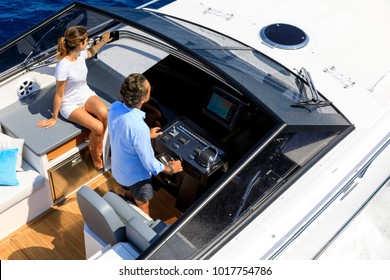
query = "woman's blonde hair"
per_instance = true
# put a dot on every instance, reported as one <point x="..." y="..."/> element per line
<point x="73" y="36"/>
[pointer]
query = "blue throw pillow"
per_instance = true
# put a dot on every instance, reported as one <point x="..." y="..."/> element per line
<point x="8" y="167"/>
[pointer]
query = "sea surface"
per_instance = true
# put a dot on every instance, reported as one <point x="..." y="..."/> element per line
<point x="17" y="16"/>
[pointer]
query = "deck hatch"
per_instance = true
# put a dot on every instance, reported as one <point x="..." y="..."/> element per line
<point x="284" y="36"/>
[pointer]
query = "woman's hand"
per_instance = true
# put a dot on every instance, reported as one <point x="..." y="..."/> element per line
<point x="155" y="132"/>
<point x="46" y="123"/>
<point x="106" y="37"/>
<point x="95" y="48"/>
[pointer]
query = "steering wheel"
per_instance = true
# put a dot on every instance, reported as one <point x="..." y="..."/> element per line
<point x="173" y="180"/>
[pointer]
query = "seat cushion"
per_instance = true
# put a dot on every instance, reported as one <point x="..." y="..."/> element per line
<point x="100" y="217"/>
<point x="140" y="234"/>
<point x="29" y="182"/>
<point x="124" y="210"/>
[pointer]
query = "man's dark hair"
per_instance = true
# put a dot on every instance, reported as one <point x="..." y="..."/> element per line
<point x="133" y="90"/>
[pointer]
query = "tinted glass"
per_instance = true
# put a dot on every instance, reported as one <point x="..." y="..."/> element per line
<point x="250" y="190"/>
<point x="37" y="44"/>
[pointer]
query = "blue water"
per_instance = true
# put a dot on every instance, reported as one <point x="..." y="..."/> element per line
<point x="17" y="16"/>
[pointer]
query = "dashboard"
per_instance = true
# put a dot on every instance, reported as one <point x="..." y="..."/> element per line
<point x="184" y="140"/>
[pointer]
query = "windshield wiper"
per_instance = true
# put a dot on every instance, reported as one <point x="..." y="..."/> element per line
<point x="314" y="102"/>
<point x="37" y="45"/>
<point x="60" y="23"/>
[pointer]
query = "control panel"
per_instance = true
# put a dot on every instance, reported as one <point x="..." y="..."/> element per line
<point x="183" y="139"/>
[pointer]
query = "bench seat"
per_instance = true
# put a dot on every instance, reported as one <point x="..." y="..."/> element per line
<point x="20" y="204"/>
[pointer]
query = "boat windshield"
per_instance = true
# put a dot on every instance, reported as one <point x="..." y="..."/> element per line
<point x="271" y="171"/>
<point x="40" y="42"/>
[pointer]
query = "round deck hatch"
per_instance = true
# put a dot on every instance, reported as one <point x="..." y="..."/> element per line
<point x="284" y="36"/>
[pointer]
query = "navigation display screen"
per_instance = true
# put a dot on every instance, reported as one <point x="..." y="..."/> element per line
<point x="220" y="106"/>
<point x="223" y="107"/>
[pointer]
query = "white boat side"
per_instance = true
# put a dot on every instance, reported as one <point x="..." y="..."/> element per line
<point x="349" y="61"/>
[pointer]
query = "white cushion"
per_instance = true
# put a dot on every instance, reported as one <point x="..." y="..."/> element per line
<point x="7" y="142"/>
<point x="29" y="181"/>
<point x="140" y="234"/>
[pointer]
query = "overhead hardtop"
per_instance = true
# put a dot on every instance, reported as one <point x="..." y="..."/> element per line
<point x="284" y="95"/>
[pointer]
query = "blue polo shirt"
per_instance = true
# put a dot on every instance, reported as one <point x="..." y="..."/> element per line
<point x="132" y="155"/>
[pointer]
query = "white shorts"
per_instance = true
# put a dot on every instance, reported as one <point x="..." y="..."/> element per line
<point x="67" y="108"/>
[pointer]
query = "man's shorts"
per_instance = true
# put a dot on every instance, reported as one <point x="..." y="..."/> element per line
<point x="141" y="191"/>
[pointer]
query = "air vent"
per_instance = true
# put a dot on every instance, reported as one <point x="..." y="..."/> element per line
<point x="284" y="36"/>
<point x="26" y="87"/>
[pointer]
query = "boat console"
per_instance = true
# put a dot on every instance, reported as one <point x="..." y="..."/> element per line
<point x="195" y="142"/>
<point x="201" y="158"/>
<point x="186" y="142"/>
<point x="209" y="135"/>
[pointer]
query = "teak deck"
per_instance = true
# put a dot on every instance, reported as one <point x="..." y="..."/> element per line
<point x="58" y="233"/>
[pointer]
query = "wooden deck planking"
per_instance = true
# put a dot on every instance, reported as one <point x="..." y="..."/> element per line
<point x="58" y="233"/>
